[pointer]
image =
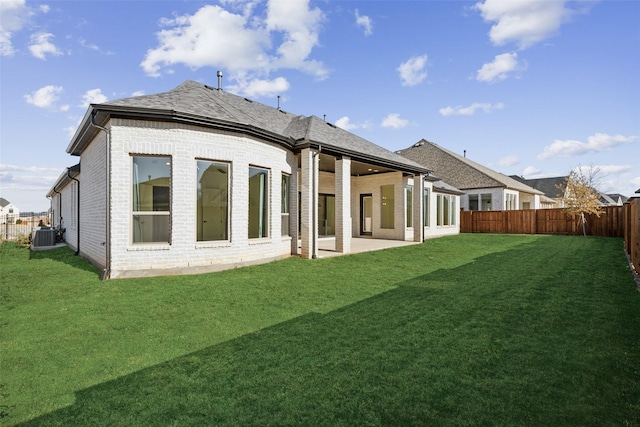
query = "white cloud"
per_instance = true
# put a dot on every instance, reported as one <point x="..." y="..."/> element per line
<point x="258" y="87"/>
<point x="499" y="69"/>
<point x="300" y="27"/>
<point x="345" y="123"/>
<point x="14" y="15"/>
<point x="241" y="44"/>
<point x="365" y="22"/>
<point x="471" y="109"/>
<point x="41" y="46"/>
<point x="93" y="96"/>
<point x="44" y="8"/>
<point x="16" y="168"/>
<point x="525" y="22"/>
<point x="531" y="172"/>
<point x="27" y="178"/>
<point x="45" y="97"/>
<point x="412" y="72"/>
<point x="597" y="142"/>
<point x="394" y="121"/>
<point x="509" y="161"/>
<point x="138" y="93"/>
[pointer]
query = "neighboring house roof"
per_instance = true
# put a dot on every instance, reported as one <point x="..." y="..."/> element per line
<point x="459" y="171"/>
<point x="551" y="187"/>
<point x="619" y="198"/>
<point x="4" y="202"/>
<point x="198" y="104"/>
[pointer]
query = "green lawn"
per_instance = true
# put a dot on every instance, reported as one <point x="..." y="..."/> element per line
<point x="464" y="330"/>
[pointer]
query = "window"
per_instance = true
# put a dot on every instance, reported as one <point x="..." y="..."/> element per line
<point x="258" y="203"/>
<point x="486" y="202"/>
<point x="510" y="202"/>
<point x="446" y="210"/>
<point x="212" y="208"/>
<point x="387" y="206"/>
<point x="284" y="205"/>
<point x="151" y="209"/>
<point x="408" y="197"/>
<point x="473" y="202"/>
<point x="426" y="207"/>
<point x="480" y="202"/>
<point x="452" y="211"/>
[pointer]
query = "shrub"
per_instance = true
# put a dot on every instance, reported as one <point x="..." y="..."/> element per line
<point x="23" y="240"/>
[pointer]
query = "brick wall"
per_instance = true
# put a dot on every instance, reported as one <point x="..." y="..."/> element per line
<point x="184" y="144"/>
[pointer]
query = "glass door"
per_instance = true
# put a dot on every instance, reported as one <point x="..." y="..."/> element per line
<point x="366" y="212"/>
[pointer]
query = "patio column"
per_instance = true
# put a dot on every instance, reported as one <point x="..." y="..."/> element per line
<point x="309" y="203"/>
<point x="418" y="208"/>
<point x="343" y="205"/>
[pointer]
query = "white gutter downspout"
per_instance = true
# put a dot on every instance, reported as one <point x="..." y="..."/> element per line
<point x="106" y="272"/>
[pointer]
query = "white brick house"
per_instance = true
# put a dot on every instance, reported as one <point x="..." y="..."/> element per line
<point x="197" y="179"/>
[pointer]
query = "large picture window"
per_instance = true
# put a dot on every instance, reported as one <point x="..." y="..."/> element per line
<point x="151" y="208"/>
<point x="212" y="210"/>
<point x="387" y="219"/>
<point x="258" y="203"/>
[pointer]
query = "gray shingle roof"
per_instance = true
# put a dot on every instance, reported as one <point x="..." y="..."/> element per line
<point x="217" y="106"/>
<point x="549" y="186"/>
<point x="459" y="171"/>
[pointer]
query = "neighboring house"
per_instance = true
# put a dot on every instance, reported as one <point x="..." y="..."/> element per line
<point x="553" y="188"/>
<point x="8" y="212"/>
<point x="484" y="189"/>
<point x="197" y="179"/>
<point x="65" y="206"/>
<point x="613" y="199"/>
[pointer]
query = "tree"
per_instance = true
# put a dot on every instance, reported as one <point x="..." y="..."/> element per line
<point x="581" y="196"/>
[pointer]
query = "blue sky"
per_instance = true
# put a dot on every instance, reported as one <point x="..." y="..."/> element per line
<point x="527" y="87"/>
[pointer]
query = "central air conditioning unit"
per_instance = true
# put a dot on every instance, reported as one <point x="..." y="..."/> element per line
<point x="43" y="237"/>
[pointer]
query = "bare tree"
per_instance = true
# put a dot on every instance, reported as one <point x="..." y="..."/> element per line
<point x="580" y="195"/>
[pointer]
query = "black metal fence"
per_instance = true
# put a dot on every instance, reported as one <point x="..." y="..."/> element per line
<point x="12" y="227"/>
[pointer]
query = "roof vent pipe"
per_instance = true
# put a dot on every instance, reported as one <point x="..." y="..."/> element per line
<point x="219" y="80"/>
<point x="278" y="102"/>
<point x="465" y="153"/>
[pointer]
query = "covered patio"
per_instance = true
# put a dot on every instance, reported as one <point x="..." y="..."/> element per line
<point x="326" y="245"/>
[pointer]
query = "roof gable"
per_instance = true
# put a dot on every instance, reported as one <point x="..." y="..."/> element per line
<point x="460" y="171"/>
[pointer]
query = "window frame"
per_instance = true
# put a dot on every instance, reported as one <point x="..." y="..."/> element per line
<point x="227" y="231"/>
<point x="285" y="205"/>
<point x="150" y="213"/>
<point x="264" y="214"/>
<point x="408" y="206"/>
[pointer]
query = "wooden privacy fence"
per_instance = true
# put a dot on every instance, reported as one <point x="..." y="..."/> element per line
<point x="543" y="221"/>
<point x="631" y="219"/>
<point x="616" y="221"/>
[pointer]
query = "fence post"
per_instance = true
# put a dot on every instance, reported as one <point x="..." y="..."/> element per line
<point x="635" y="233"/>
